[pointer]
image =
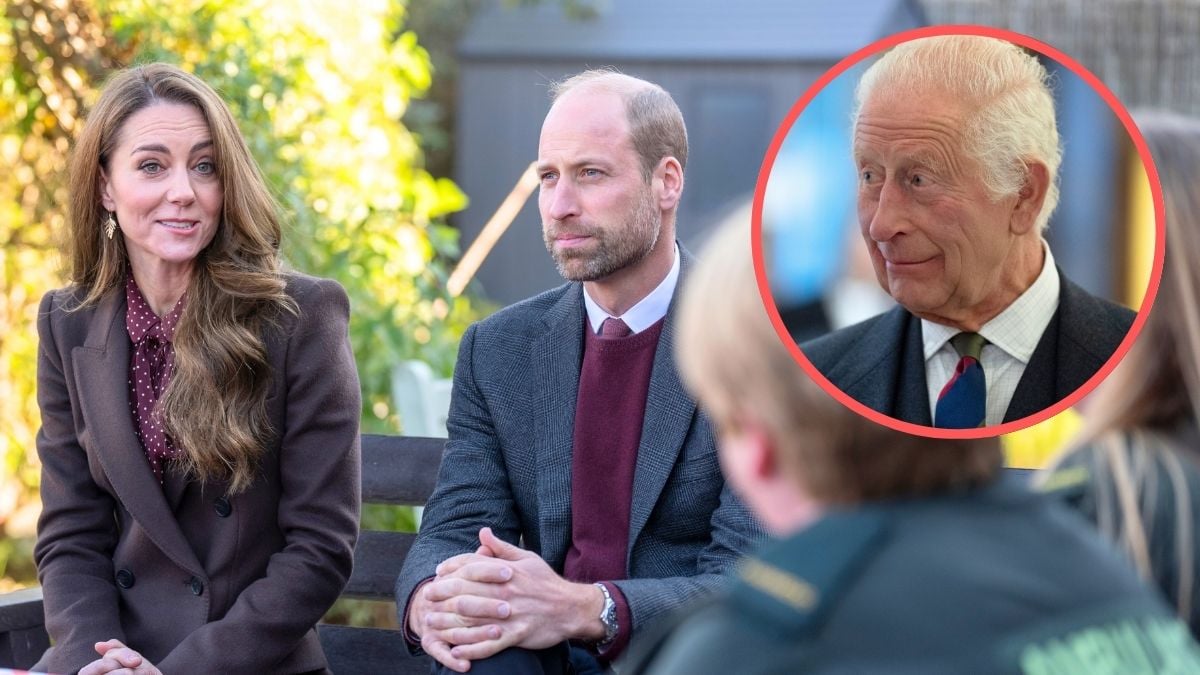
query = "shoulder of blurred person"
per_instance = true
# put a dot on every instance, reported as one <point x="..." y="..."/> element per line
<point x="1142" y="490"/>
<point x="996" y="580"/>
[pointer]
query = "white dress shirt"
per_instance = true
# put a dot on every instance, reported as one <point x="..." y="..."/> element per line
<point x="1011" y="336"/>
<point x="646" y="312"/>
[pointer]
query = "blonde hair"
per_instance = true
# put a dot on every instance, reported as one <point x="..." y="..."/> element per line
<point x="215" y="405"/>
<point x="1136" y="416"/>
<point x="656" y="127"/>
<point x="1012" y="122"/>
<point x="733" y="360"/>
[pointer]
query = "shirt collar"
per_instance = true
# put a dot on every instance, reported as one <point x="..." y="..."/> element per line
<point x="646" y="312"/>
<point x="140" y="319"/>
<point x="1018" y="328"/>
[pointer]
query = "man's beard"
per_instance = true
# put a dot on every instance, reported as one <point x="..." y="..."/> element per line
<point x="614" y="250"/>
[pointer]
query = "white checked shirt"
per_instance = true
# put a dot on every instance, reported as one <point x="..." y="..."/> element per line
<point x="646" y="312"/>
<point x="1011" y="336"/>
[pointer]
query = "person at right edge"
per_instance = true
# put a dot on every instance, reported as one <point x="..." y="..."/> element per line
<point x="892" y="553"/>
<point x="1135" y="469"/>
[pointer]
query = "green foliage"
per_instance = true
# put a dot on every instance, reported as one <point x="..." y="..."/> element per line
<point x="319" y="90"/>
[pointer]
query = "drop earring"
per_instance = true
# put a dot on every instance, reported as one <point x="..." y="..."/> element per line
<point x="110" y="226"/>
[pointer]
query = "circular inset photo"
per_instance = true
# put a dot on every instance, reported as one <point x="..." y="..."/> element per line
<point x="958" y="231"/>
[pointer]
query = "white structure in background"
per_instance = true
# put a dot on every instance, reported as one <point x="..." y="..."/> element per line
<point x="423" y="402"/>
<point x="422" y="399"/>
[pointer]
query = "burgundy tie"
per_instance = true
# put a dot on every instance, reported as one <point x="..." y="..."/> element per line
<point x="614" y="328"/>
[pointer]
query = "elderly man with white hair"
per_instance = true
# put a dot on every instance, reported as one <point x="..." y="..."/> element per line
<point x="958" y="152"/>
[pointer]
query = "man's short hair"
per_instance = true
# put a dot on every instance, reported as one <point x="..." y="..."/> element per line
<point x="733" y="360"/>
<point x="656" y="126"/>
<point x="1013" y="120"/>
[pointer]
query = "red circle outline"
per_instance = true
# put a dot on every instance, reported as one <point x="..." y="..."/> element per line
<point x="1135" y="135"/>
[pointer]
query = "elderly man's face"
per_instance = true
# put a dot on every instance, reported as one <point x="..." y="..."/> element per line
<point x="598" y="213"/>
<point x="937" y="239"/>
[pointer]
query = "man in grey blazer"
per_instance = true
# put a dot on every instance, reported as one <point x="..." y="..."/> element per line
<point x="958" y="152"/>
<point x="580" y="497"/>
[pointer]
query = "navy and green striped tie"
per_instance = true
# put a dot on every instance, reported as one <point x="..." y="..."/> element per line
<point x="962" y="403"/>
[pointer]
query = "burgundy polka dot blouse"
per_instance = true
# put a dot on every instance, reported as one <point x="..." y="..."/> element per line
<point x="150" y="365"/>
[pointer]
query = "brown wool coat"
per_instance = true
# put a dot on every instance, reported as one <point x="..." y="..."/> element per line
<point x="193" y="580"/>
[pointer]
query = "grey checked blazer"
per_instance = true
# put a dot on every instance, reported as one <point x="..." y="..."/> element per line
<point x="507" y="464"/>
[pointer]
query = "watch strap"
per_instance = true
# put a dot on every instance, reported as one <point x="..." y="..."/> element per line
<point x="608" y="616"/>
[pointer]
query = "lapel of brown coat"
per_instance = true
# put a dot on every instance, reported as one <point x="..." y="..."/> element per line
<point x="102" y="377"/>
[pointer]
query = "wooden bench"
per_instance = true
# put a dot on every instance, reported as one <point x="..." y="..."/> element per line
<point x="398" y="470"/>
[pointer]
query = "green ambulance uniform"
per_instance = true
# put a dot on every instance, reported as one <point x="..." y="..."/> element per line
<point x="1169" y="510"/>
<point x="995" y="580"/>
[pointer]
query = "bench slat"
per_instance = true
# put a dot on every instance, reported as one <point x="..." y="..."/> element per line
<point x="378" y="557"/>
<point x="22" y="636"/>
<point x="369" y="650"/>
<point x="399" y="469"/>
<point x="21" y="609"/>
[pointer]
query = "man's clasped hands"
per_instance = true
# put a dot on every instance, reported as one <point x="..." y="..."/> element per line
<point x="498" y="597"/>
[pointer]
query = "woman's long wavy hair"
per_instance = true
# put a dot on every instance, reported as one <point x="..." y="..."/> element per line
<point x="1138" y="415"/>
<point x="215" y="405"/>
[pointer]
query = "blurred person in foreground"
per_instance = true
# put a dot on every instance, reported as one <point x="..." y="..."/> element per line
<point x="1135" y="470"/>
<point x="893" y="553"/>
<point x="200" y="406"/>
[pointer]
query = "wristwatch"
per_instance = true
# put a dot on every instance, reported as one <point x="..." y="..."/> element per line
<point x="608" y="617"/>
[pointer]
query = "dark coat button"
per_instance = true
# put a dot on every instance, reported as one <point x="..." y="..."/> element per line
<point x="196" y="585"/>
<point x="223" y="507"/>
<point x="125" y="578"/>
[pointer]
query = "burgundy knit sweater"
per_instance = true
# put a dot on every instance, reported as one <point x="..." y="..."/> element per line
<point x="610" y="411"/>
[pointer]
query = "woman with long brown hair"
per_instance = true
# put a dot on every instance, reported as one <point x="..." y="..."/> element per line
<point x="199" y="441"/>
<point x="1135" y="470"/>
